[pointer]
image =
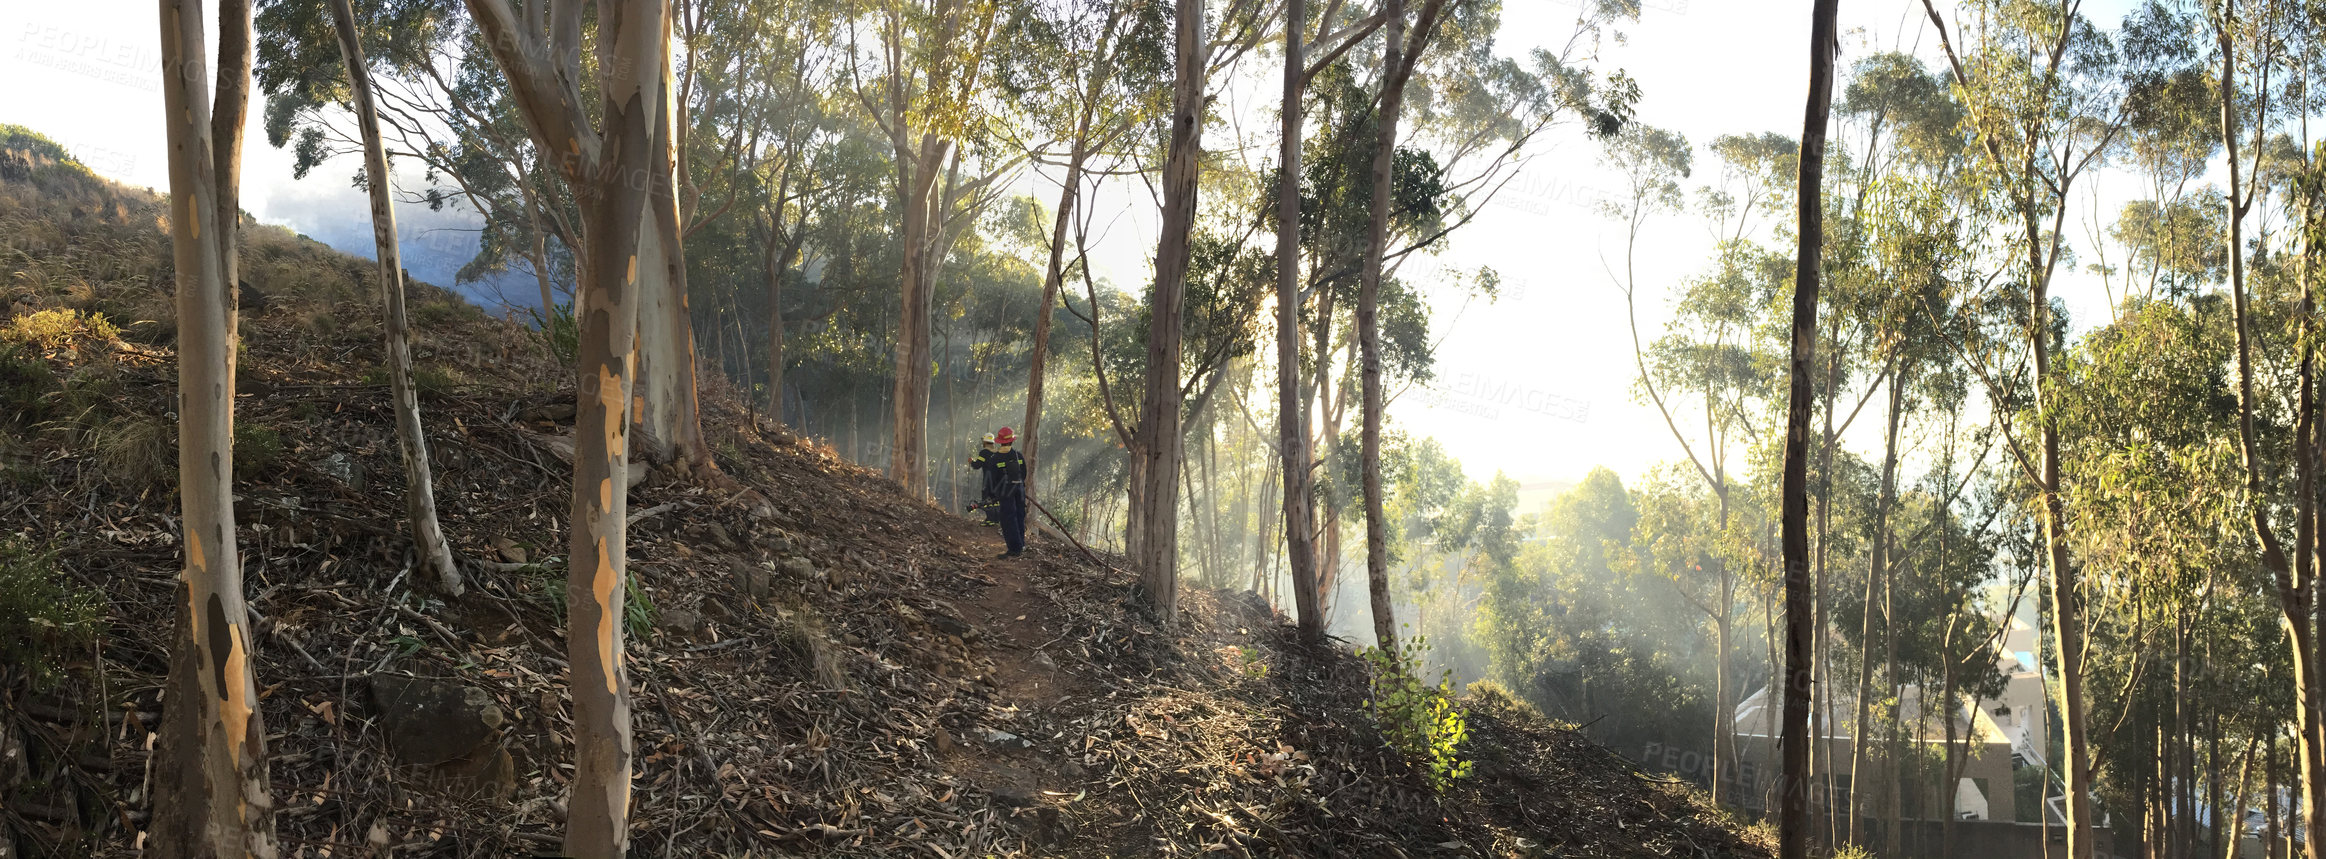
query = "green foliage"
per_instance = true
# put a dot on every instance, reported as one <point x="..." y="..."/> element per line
<point x="43" y="615"/>
<point x="638" y="610"/>
<point x="26" y="381"/>
<point x="559" y="331"/>
<point x="1421" y="721"/>
<point x="257" y="450"/>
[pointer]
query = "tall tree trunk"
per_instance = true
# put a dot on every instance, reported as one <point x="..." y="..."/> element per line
<point x="1792" y="813"/>
<point x="1292" y="428"/>
<point x="632" y="35"/>
<point x="1369" y="325"/>
<point x="210" y="763"/>
<point x="666" y="346"/>
<point x="1822" y="742"/>
<point x="907" y="464"/>
<point x="1723" y="708"/>
<point x="1155" y="549"/>
<point x="419" y="485"/>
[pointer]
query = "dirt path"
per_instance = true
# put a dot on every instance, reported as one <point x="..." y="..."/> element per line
<point x="1014" y="628"/>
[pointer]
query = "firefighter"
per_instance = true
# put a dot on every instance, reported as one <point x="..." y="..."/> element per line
<point x="988" y="484"/>
<point x="1005" y="480"/>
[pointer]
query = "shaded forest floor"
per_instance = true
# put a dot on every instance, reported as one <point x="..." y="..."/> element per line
<point x="820" y="664"/>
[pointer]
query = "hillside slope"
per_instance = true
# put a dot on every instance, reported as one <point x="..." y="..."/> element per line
<point x="821" y="665"/>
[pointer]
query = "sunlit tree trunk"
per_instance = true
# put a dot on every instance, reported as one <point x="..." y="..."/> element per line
<point x="909" y="431"/>
<point x="1793" y="806"/>
<point x="2294" y="577"/>
<point x="419" y="484"/>
<point x="210" y="762"/>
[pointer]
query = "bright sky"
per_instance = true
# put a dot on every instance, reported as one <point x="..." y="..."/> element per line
<point x="1536" y="385"/>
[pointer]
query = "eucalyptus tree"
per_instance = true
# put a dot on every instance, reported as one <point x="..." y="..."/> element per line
<point x="1399" y="56"/>
<point x="2256" y="41"/>
<point x="1113" y="51"/>
<point x="1199" y="56"/>
<point x="2172" y="133"/>
<point x="1709" y="352"/>
<point x="799" y="135"/>
<point x="607" y="168"/>
<point x="2042" y="92"/>
<point x="440" y="104"/>
<point x="210" y="792"/>
<point x="419" y="485"/>
<point x="922" y="81"/>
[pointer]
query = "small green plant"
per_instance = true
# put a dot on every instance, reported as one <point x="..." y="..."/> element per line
<point x="1251" y="664"/>
<point x="559" y="331"/>
<point x="257" y="450"/>
<point x="25" y="384"/>
<point x="1419" y="720"/>
<point x="637" y="611"/>
<point x="43" y="615"/>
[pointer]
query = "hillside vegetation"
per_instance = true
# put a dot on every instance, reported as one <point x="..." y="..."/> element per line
<point x="821" y="665"/>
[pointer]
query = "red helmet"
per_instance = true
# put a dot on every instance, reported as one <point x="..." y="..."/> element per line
<point x="1004" y="436"/>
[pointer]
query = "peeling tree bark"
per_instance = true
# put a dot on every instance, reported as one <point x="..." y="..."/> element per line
<point x="210" y="762"/>
<point x="610" y="174"/>
<point x="419" y="484"/>
<point x="670" y="410"/>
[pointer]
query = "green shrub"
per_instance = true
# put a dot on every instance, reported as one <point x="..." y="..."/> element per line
<point x="1420" y="721"/>
<point x="25" y="385"/>
<point x="43" y="615"/>
<point x="257" y="450"/>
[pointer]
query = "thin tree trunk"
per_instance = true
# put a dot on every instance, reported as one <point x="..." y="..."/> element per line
<point x="1877" y="573"/>
<point x="775" y="266"/>
<point x="631" y="38"/>
<point x="211" y="797"/>
<point x="2295" y="590"/>
<point x="1039" y="362"/>
<point x="1369" y="327"/>
<point x="1822" y="742"/>
<point x="1792" y="814"/>
<point x="1292" y="406"/>
<point x="419" y="485"/>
